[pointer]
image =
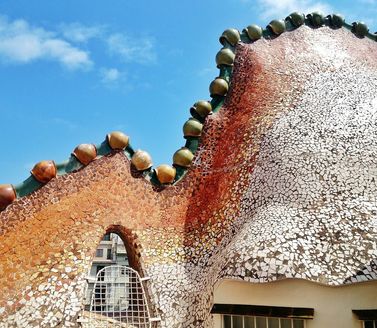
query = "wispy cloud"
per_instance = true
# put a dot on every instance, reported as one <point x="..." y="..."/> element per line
<point x="130" y="49"/>
<point x="110" y="75"/>
<point x="22" y="43"/>
<point x="281" y="8"/>
<point x="77" y="32"/>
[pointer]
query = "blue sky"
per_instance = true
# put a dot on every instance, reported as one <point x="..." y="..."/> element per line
<point x="72" y="71"/>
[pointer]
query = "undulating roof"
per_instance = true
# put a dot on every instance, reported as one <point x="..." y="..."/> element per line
<point x="279" y="182"/>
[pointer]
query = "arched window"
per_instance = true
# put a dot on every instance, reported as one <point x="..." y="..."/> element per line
<point x="115" y="295"/>
<point x="110" y="251"/>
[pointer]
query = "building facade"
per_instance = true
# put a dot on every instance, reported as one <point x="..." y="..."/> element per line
<point x="110" y="251"/>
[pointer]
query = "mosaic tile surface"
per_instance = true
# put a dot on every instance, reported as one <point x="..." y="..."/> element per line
<point x="283" y="185"/>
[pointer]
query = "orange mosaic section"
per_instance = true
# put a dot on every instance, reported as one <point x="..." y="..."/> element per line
<point x="72" y="213"/>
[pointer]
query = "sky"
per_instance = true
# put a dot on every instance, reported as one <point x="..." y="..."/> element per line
<point x="72" y="71"/>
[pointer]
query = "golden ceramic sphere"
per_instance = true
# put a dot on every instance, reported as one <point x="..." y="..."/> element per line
<point x="165" y="173"/>
<point x="192" y="128"/>
<point x="117" y="140"/>
<point x="141" y="160"/>
<point x="231" y="35"/>
<point x="203" y="108"/>
<point x="183" y="157"/>
<point x="277" y="26"/>
<point x="225" y="57"/>
<point x="218" y="87"/>
<point x="254" y="32"/>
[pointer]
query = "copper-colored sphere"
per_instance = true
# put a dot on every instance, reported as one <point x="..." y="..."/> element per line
<point x="85" y="153"/>
<point x="141" y="160"/>
<point x="117" y="140"/>
<point x="165" y="173"/>
<point x="183" y="157"/>
<point x="44" y="171"/>
<point x="7" y="195"/>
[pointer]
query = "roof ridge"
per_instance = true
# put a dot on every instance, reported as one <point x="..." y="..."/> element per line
<point x="165" y="174"/>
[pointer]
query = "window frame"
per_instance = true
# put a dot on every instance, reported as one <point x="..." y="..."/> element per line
<point x="101" y="250"/>
<point x="373" y="321"/>
<point x="366" y="315"/>
<point x="255" y="319"/>
<point x="263" y="311"/>
<point x="109" y="254"/>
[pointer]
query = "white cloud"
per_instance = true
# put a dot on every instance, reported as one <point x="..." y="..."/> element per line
<point x="77" y="32"/>
<point x="110" y="75"/>
<point x="22" y="43"/>
<point x="139" y="50"/>
<point x="282" y="8"/>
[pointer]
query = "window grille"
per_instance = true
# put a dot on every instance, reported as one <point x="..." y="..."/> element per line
<point x="236" y="321"/>
<point x="370" y="324"/>
<point x="118" y="300"/>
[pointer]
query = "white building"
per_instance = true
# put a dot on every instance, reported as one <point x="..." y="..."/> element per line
<point x="110" y="251"/>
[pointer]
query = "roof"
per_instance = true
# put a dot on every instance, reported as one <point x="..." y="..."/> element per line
<point x="283" y="184"/>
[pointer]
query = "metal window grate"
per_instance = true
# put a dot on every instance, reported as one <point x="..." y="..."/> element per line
<point x="118" y="300"/>
<point x="235" y="321"/>
<point x="370" y="324"/>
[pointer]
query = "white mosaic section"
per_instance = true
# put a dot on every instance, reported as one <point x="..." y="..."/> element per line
<point x="54" y="304"/>
<point x="183" y="293"/>
<point x="311" y="210"/>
